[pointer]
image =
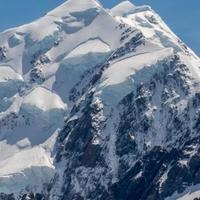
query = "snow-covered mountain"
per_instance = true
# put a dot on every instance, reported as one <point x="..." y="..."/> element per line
<point x="98" y="104"/>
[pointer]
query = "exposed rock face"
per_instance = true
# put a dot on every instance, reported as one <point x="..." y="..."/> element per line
<point x="160" y="173"/>
<point x="102" y="105"/>
<point x="142" y="166"/>
<point x="2" y="53"/>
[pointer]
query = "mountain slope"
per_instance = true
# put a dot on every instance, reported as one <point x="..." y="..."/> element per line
<point x="98" y="104"/>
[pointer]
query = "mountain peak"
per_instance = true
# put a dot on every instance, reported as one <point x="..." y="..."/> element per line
<point x="92" y="101"/>
<point x="123" y="8"/>
<point x="126" y="8"/>
<point x="74" y="6"/>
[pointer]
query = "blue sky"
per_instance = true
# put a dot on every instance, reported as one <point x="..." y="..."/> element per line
<point x="183" y="16"/>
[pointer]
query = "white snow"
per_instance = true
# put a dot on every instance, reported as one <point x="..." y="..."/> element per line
<point x="57" y="23"/>
<point x="25" y="159"/>
<point x="126" y="8"/>
<point x="123" y="8"/>
<point x="190" y="194"/>
<point x="163" y="178"/>
<point x="10" y="82"/>
<point x="8" y="74"/>
<point x="31" y="167"/>
<point x="24" y="143"/>
<point x="44" y="99"/>
<point x="73" y="6"/>
<point x="122" y="69"/>
<point x="112" y="155"/>
<point x="90" y="46"/>
<point x="15" y="40"/>
<point x="77" y="36"/>
<point x="138" y="175"/>
<point x="119" y="78"/>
